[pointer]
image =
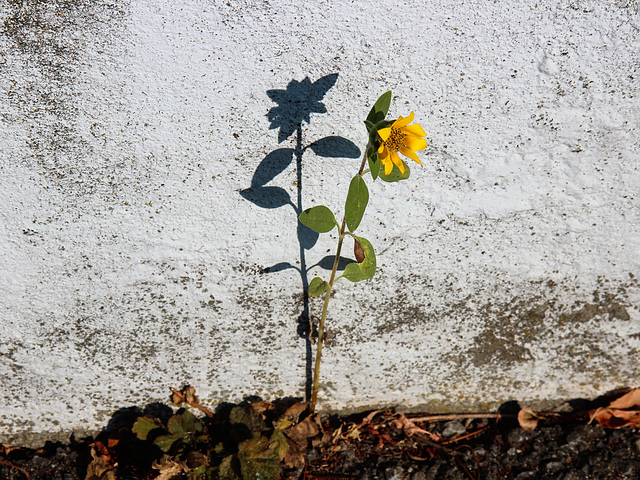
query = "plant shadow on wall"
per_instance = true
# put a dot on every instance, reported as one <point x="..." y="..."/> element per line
<point x="294" y="106"/>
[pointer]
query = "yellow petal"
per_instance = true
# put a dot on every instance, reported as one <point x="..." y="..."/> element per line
<point x="415" y="143"/>
<point x="410" y="153"/>
<point x="383" y="151"/>
<point x="415" y="129"/>
<point x="397" y="161"/>
<point x="384" y="133"/>
<point x="403" y="122"/>
<point x="388" y="165"/>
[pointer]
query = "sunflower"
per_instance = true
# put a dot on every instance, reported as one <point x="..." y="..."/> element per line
<point x="400" y="137"/>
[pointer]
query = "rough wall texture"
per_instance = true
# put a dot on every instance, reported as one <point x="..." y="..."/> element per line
<point x="154" y="156"/>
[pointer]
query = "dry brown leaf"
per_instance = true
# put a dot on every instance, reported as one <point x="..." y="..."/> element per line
<point x="303" y="431"/>
<point x="298" y="437"/>
<point x="353" y="432"/>
<point x="528" y="419"/>
<point x="616" y="418"/>
<point x="261" y="406"/>
<point x="5" y="448"/>
<point x="188" y="395"/>
<point x="169" y="469"/>
<point x="98" y="449"/>
<point x="102" y="466"/>
<point x="291" y="416"/>
<point x="335" y="436"/>
<point x="621" y="412"/>
<point x="409" y="428"/>
<point x="296" y="409"/>
<point x="369" y="417"/>
<point x="177" y="397"/>
<point x="629" y="400"/>
<point x="294" y="457"/>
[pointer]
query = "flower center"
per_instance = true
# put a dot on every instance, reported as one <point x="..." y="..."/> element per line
<point x="395" y="140"/>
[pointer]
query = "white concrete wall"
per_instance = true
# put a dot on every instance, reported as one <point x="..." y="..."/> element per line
<point x="130" y="261"/>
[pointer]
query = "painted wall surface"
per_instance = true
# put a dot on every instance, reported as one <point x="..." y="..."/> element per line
<point x="154" y="155"/>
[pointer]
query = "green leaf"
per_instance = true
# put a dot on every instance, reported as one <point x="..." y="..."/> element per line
<point x="319" y="219"/>
<point x="279" y="443"/>
<point x="226" y="470"/>
<point x="356" y="272"/>
<point x="317" y="287"/>
<point x="284" y="423"/>
<point x="203" y="473"/>
<point x="248" y="417"/>
<point x="374" y="162"/>
<point x="395" y="174"/>
<point x="356" y="203"/>
<point x="380" y="108"/>
<point x="353" y="273"/>
<point x="165" y="442"/>
<point x="183" y="425"/>
<point x="145" y="425"/>
<point x="258" y="460"/>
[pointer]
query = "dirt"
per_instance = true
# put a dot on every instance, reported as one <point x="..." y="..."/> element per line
<point x="386" y="445"/>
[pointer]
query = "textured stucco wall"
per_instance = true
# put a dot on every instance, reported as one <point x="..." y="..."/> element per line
<point x="148" y="231"/>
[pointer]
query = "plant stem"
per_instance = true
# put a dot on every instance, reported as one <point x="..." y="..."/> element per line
<point x="325" y="307"/>
<point x="327" y="298"/>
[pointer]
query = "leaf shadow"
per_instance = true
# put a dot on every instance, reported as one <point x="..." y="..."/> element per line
<point x="294" y="106"/>
<point x="335" y="147"/>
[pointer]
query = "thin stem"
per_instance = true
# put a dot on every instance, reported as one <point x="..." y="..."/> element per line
<point x="325" y="307"/>
<point x="364" y="160"/>
<point x="327" y="298"/>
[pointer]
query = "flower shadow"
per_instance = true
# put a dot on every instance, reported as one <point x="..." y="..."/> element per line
<point x="296" y="103"/>
<point x="294" y="106"/>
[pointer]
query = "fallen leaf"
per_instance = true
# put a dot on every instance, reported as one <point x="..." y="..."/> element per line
<point x="303" y="431"/>
<point x="409" y="428"/>
<point x="298" y="437"/>
<point x="614" y="418"/>
<point x="369" y="417"/>
<point x="629" y="400"/>
<point x="336" y="435"/>
<point x="169" y="468"/>
<point x="294" y="457"/>
<point x="261" y="406"/>
<point x="296" y="409"/>
<point x="353" y="432"/>
<point x="5" y="448"/>
<point x="291" y="416"/>
<point x="188" y="395"/>
<point x="528" y="419"/>
<point x="621" y="412"/>
<point x="102" y="466"/>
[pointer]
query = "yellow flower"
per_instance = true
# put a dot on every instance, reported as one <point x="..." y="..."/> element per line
<point x="400" y="137"/>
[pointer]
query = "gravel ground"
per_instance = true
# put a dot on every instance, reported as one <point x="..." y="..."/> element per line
<point x="480" y="448"/>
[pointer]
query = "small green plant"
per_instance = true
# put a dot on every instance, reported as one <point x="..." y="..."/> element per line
<point x="387" y="138"/>
<point x="253" y="440"/>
